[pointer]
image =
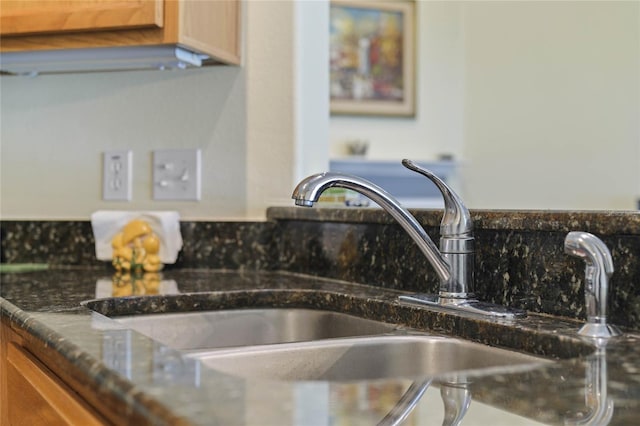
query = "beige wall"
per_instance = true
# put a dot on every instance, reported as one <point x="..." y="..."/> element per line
<point x="552" y="104"/>
<point x="55" y="128"/>
<point x="521" y="91"/>
<point x="270" y="105"/>
<point x="540" y="101"/>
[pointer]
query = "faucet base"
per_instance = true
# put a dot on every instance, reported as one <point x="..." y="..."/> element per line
<point x="471" y="306"/>
<point x="599" y="330"/>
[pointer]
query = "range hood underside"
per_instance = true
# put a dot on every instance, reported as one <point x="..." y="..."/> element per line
<point x="101" y="59"/>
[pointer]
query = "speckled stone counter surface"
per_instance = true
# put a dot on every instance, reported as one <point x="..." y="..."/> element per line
<point x="519" y="262"/>
<point x="154" y="384"/>
<point x="520" y="259"/>
<point x="216" y="245"/>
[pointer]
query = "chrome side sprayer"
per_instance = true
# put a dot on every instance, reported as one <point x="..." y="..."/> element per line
<point x="599" y="268"/>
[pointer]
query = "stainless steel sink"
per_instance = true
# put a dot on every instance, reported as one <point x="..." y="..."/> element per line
<point x="364" y="358"/>
<point x="249" y="327"/>
<point x="305" y="344"/>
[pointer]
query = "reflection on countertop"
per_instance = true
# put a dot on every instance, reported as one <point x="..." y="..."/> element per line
<point x="160" y="384"/>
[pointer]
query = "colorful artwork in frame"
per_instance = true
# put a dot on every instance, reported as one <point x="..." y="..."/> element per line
<point x="372" y="57"/>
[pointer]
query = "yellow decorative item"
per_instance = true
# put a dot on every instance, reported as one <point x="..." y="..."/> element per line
<point x="136" y="249"/>
<point x="128" y="285"/>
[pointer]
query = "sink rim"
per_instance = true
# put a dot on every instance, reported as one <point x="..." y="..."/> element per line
<point x="522" y="361"/>
<point x="530" y="335"/>
<point x="230" y="328"/>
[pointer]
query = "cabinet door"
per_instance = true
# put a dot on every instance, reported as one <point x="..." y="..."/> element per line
<point x="21" y="17"/>
<point x="212" y="27"/>
<point x="35" y="396"/>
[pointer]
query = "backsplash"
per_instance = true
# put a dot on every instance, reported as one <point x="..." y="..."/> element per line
<point x="54" y="242"/>
<point x="520" y="260"/>
<point x="227" y="245"/>
<point x="215" y="245"/>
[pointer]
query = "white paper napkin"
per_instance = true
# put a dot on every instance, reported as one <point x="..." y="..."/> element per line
<point x="165" y="224"/>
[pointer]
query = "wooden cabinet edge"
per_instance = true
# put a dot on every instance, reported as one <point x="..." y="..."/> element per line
<point x="15" y="358"/>
<point x="168" y="34"/>
<point x="218" y="54"/>
<point x="39" y="18"/>
<point x="4" y="402"/>
<point x="179" y="28"/>
<point x="63" y="401"/>
<point x="111" y="406"/>
<point x="212" y="28"/>
<point x="18" y="362"/>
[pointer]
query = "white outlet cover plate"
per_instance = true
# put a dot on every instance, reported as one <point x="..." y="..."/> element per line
<point x="176" y="174"/>
<point x="117" y="171"/>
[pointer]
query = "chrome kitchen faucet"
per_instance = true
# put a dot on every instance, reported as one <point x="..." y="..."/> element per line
<point x="453" y="262"/>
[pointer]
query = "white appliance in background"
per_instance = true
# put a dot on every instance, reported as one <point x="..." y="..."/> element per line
<point x="411" y="189"/>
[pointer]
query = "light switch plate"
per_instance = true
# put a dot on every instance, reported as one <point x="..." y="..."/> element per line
<point x="176" y="174"/>
<point x="117" y="171"/>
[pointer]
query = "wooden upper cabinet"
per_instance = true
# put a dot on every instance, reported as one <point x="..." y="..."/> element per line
<point x="46" y="16"/>
<point x="206" y="26"/>
<point x="217" y="21"/>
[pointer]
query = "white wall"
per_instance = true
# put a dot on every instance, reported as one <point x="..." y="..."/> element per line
<point x="270" y="104"/>
<point x="287" y="109"/>
<point x="312" y="87"/>
<point x="521" y="91"/>
<point x="552" y="104"/>
<point x="54" y="129"/>
<point x="541" y="101"/>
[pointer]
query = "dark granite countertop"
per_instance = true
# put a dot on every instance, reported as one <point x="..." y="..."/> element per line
<point x="154" y="384"/>
<point x="597" y="222"/>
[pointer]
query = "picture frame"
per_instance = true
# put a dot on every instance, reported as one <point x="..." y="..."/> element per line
<point x="372" y="57"/>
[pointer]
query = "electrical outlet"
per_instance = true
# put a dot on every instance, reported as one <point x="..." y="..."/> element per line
<point x="117" y="172"/>
<point x="176" y="174"/>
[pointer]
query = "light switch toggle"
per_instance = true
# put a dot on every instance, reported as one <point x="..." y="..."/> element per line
<point x="176" y="174"/>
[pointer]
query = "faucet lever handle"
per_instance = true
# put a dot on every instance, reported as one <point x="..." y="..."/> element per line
<point x="456" y="220"/>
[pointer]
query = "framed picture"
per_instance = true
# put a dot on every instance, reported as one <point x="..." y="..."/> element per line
<point x="372" y="57"/>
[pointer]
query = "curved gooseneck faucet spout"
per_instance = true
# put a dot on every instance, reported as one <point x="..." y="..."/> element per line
<point x="453" y="262"/>
<point x="308" y="192"/>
